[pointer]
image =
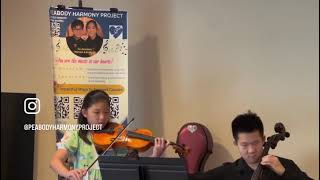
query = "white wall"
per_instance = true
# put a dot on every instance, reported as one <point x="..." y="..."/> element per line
<point x="203" y="61"/>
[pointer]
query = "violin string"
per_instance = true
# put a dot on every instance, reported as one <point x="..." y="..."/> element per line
<point x="149" y="138"/>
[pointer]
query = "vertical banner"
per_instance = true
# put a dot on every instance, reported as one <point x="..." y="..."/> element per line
<point x="90" y="51"/>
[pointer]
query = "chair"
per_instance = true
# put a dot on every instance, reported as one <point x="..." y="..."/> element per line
<point x="199" y="141"/>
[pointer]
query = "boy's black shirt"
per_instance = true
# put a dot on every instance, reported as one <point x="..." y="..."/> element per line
<point x="239" y="170"/>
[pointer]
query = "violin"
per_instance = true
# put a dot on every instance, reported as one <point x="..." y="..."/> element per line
<point x="139" y="139"/>
<point x="272" y="142"/>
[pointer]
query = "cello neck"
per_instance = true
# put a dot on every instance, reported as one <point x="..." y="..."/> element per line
<point x="257" y="174"/>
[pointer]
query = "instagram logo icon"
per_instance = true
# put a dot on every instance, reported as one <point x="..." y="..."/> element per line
<point x="31" y="105"/>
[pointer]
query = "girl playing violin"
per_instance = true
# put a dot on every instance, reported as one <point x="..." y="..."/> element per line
<point x="79" y="144"/>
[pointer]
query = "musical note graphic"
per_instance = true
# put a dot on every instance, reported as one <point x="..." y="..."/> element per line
<point x="105" y="47"/>
<point x="58" y="46"/>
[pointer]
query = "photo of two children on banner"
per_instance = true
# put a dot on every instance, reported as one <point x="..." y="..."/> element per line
<point x="84" y="37"/>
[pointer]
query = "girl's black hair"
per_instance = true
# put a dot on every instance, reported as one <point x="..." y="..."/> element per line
<point x="90" y="99"/>
<point x="92" y="21"/>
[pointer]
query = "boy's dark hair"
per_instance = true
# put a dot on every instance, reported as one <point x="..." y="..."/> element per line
<point x="247" y="122"/>
<point x="91" y="98"/>
<point x="76" y="23"/>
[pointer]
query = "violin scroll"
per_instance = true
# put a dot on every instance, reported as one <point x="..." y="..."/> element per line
<point x="180" y="149"/>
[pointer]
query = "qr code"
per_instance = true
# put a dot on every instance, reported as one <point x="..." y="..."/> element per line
<point x="77" y="104"/>
<point x="61" y="107"/>
<point x="114" y="107"/>
<point x="55" y="29"/>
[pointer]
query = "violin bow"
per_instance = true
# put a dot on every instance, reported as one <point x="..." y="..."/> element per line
<point x="113" y="141"/>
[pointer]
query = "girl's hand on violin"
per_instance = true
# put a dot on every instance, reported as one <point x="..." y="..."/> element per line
<point x="160" y="144"/>
<point x="274" y="163"/>
<point x="76" y="174"/>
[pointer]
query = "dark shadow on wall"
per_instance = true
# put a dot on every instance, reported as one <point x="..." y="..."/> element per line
<point x="219" y="156"/>
<point x="145" y="94"/>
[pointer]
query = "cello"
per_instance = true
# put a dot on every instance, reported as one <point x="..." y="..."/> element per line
<point x="272" y="142"/>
